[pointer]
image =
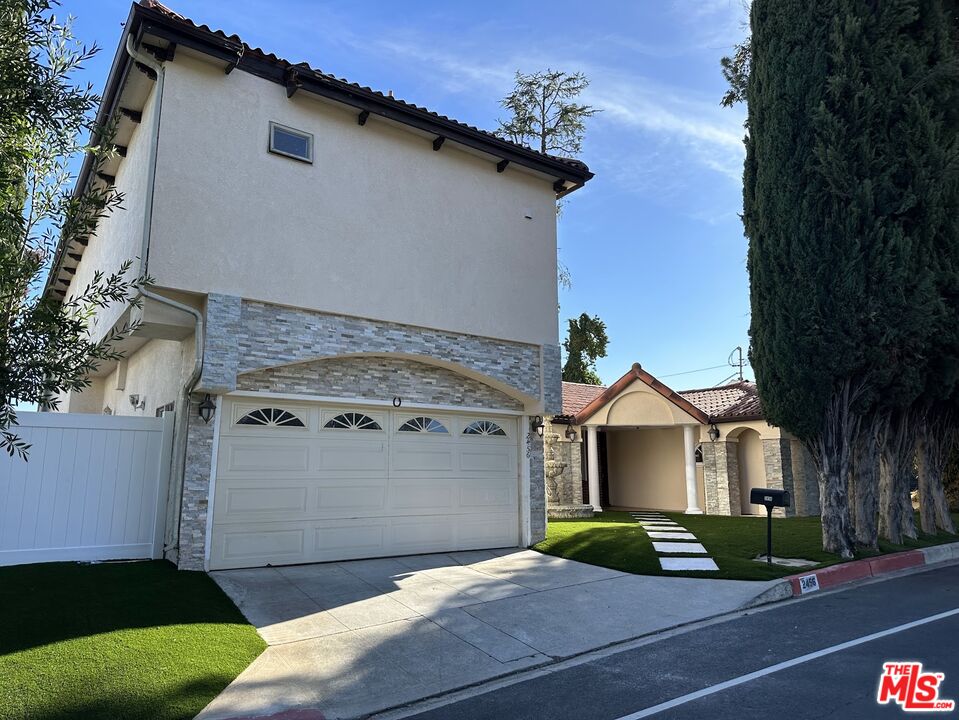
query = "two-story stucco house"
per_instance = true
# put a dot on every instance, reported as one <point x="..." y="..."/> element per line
<point x="353" y="308"/>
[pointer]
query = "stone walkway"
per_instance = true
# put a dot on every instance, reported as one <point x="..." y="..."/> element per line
<point x="674" y="542"/>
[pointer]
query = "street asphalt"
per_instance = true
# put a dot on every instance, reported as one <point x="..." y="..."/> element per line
<point x="836" y="683"/>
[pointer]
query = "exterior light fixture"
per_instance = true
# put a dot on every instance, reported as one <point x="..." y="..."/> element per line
<point x="713" y="432"/>
<point x="536" y="423"/>
<point x="570" y="433"/>
<point x="207" y="408"/>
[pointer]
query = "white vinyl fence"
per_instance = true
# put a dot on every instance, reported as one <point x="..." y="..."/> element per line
<point x="94" y="488"/>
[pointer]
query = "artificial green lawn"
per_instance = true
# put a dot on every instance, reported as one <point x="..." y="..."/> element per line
<point x="116" y="640"/>
<point x="615" y="540"/>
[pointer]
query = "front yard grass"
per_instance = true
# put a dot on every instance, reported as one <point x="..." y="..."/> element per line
<point x="616" y="541"/>
<point x="116" y="640"/>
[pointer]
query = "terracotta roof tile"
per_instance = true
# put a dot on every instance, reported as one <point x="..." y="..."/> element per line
<point x="576" y="396"/>
<point x="738" y="400"/>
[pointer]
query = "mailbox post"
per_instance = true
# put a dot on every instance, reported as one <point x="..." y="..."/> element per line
<point x="769" y="498"/>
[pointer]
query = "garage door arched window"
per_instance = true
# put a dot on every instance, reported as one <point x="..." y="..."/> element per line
<point x="352" y="421"/>
<point x="423" y="424"/>
<point x="484" y="427"/>
<point x="273" y="417"/>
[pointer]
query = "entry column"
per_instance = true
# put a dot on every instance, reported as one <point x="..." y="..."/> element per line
<point x="689" y="447"/>
<point x="592" y="468"/>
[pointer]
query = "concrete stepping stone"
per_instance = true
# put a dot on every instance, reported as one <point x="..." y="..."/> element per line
<point x="681" y="563"/>
<point x="679" y="547"/>
<point x="656" y="522"/>
<point x="671" y="535"/>
<point x="665" y="529"/>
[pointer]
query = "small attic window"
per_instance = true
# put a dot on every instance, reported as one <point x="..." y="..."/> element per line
<point x="292" y="143"/>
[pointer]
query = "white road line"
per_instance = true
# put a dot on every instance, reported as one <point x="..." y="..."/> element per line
<point x="705" y="692"/>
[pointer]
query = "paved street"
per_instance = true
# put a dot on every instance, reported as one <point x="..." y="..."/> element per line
<point x="841" y="684"/>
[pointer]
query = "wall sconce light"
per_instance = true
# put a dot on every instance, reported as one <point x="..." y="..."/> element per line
<point x="570" y="433"/>
<point x="137" y="402"/>
<point x="536" y="424"/>
<point x="713" y="432"/>
<point x="207" y="408"/>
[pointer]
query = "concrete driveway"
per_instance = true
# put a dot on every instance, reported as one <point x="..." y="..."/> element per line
<point x="347" y="639"/>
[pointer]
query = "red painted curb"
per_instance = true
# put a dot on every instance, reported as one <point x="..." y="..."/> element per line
<point x="897" y="561"/>
<point x="855" y="570"/>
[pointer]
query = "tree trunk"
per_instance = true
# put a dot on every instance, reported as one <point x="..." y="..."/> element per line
<point x="865" y="500"/>
<point x="907" y="513"/>
<point x="927" y="501"/>
<point x="832" y="452"/>
<point x="895" y="463"/>
<point x="889" y="508"/>
<point x="936" y="439"/>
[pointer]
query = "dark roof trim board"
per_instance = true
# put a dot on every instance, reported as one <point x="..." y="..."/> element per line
<point x="636" y="372"/>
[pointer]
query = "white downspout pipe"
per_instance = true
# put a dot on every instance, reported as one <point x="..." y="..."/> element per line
<point x="178" y="464"/>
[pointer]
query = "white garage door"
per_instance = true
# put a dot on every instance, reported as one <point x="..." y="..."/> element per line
<point x="298" y="482"/>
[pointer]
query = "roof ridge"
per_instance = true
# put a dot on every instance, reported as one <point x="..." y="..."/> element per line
<point x="737" y="384"/>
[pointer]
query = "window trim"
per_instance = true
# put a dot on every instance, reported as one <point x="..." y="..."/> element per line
<point x="293" y="131"/>
<point x="413" y="425"/>
<point x="371" y="423"/>
<point x="499" y="432"/>
<point x="294" y="422"/>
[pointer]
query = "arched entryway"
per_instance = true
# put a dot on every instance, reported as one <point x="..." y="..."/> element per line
<point x="752" y="468"/>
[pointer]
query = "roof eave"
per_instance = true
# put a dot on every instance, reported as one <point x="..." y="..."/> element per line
<point x="636" y="372"/>
<point x="279" y="71"/>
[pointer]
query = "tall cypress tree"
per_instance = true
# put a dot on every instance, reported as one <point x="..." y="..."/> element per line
<point x="843" y="145"/>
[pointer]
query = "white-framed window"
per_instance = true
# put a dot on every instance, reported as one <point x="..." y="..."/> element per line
<point x="272" y="417"/>
<point x="352" y="421"/>
<point x="484" y="427"/>
<point x="292" y="143"/>
<point x="423" y="424"/>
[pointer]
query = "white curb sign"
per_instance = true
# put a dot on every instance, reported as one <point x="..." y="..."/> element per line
<point x="808" y="584"/>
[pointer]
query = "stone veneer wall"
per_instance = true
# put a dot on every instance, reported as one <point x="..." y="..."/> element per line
<point x="552" y="380"/>
<point x="537" y="489"/>
<point x="242" y="336"/>
<point x="255" y="339"/>
<point x="196" y="487"/>
<point x="721" y="477"/>
<point x="377" y="378"/>
<point x="777" y="459"/>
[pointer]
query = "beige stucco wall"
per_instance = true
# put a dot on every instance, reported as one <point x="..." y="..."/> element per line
<point x="640" y="406"/>
<point x="647" y="468"/>
<point x="731" y="430"/>
<point x="156" y="372"/>
<point x="379" y="226"/>
<point x="88" y="401"/>
<point x="119" y="235"/>
<point x="752" y="469"/>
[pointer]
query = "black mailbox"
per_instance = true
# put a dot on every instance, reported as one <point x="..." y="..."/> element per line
<point x="769" y="497"/>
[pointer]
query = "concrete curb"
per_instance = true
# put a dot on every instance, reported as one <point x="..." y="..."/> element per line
<point x="804" y="583"/>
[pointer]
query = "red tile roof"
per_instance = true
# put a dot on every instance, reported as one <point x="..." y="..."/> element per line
<point x="736" y="401"/>
<point x="576" y="396"/>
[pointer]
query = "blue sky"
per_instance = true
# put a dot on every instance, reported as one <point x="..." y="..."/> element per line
<point x="654" y="242"/>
